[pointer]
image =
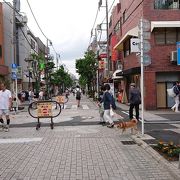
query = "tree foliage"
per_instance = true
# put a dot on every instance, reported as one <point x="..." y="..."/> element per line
<point x="86" y="68"/>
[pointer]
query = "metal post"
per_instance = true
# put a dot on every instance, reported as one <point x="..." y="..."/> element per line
<point x="14" y="48"/>
<point x="142" y="76"/>
<point x="107" y="36"/>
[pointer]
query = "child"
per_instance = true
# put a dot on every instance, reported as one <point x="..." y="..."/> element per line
<point x="14" y="105"/>
<point x="101" y="112"/>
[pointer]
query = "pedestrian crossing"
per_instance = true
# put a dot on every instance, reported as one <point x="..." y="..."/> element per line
<point x="74" y="107"/>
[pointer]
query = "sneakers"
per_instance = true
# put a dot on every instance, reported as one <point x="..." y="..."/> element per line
<point x="6" y="128"/>
<point x="110" y="125"/>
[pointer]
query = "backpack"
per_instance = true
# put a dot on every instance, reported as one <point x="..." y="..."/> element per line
<point x="78" y="94"/>
<point x="176" y="90"/>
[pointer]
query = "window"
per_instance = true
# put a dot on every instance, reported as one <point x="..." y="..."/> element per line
<point x="160" y="36"/>
<point x="171" y="36"/>
<point x="127" y="48"/>
<point x="167" y="4"/>
<point x="178" y="34"/>
<point x="166" y="35"/>
<point x="32" y="44"/>
<point x="117" y="27"/>
<point x="124" y="16"/>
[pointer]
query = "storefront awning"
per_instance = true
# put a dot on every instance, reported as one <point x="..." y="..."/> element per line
<point x="133" y="32"/>
<point x="118" y="74"/>
<point x="161" y="24"/>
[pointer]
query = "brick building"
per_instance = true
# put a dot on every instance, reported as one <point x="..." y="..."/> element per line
<point x="164" y="21"/>
<point x="3" y="68"/>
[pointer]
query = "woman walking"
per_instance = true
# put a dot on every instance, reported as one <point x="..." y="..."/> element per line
<point x="108" y="104"/>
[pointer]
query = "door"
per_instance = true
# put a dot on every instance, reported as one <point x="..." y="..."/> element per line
<point x="170" y="100"/>
<point x="161" y="95"/>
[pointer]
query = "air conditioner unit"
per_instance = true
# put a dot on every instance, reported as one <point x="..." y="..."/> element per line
<point x="173" y="56"/>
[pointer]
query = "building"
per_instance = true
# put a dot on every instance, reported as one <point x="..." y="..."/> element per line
<point x="4" y="70"/>
<point x="161" y="21"/>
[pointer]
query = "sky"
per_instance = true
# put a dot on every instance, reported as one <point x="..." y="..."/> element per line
<point x="67" y="23"/>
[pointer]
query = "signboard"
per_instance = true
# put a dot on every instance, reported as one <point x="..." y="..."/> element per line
<point x="178" y="53"/>
<point x="101" y="65"/>
<point x="44" y="109"/>
<point x="60" y="99"/>
<point x="135" y="45"/>
<point x="13" y="66"/>
<point x="13" y="75"/>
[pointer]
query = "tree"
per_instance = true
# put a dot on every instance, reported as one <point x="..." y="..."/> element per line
<point x="61" y="78"/>
<point x="86" y="68"/>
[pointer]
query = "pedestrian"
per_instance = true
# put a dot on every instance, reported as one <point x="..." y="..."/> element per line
<point x="108" y="103"/>
<point x="14" y="105"/>
<point x="78" y="96"/>
<point x="101" y="111"/>
<point x="31" y="95"/>
<point x="134" y="100"/>
<point x="23" y="95"/>
<point x="176" y="89"/>
<point x="5" y="106"/>
<point x="41" y="94"/>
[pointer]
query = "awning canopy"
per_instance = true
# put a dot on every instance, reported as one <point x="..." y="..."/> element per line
<point x="133" y="32"/>
<point x="160" y="24"/>
<point x="118" y="74"/>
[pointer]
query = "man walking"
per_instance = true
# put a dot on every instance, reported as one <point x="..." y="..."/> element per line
<point x="134" y="100"/>
<point x="5" y="106"/>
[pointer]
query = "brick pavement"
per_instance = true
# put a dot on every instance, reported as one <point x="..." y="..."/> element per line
<point x="91" y="152"/>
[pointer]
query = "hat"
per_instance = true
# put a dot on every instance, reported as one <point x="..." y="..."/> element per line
<point x="133" y="84"/>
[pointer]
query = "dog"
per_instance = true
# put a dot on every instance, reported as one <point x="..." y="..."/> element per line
<point x="129" y="124"/>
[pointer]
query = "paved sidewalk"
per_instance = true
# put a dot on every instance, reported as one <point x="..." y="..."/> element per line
<point x="157" y="117"/>
<point x="78" y="149"/>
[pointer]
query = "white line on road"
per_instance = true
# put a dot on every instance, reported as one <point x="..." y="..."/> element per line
<point x="85" y="106"/>
<point x="19" y="140"/>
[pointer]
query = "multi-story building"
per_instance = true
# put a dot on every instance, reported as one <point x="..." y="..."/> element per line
<point x="163" y="24"/>
<point x="4" y="70"/>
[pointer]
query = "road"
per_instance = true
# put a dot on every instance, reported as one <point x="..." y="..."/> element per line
<point x="77" y="148"/>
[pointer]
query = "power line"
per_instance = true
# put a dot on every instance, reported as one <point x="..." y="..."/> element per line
<point x="39" y="26"/>
<point x="36" y="20"/>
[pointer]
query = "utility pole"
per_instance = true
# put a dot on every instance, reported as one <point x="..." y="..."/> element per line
<point x="107" y="36"/>
<point x="14" y="61"/>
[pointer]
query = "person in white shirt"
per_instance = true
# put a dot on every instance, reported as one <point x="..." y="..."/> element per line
<point x="41" y="95"/>
<point x="5" y="105"/>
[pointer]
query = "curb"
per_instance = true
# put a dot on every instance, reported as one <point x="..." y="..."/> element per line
<point x="174" y="171"/>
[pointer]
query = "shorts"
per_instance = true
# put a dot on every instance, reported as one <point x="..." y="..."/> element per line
<point x="4" y="111"/>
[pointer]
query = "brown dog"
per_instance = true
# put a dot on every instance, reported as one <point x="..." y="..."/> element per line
<point x="129" y="124"/>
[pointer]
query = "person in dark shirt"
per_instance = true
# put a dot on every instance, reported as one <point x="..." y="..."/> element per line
<point x="108" y="104"/>
<point x="134" y="100"/>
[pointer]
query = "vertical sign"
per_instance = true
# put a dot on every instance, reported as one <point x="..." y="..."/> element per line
<point x="178" y="53"/>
